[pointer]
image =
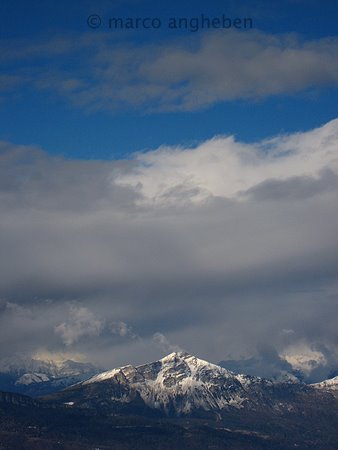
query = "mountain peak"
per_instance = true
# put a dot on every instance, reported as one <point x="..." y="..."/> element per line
<point x="179" y="365"/>
<point x="177" y="384"/>
<point x="183" y="361"/>
<point x="176" y="355"/>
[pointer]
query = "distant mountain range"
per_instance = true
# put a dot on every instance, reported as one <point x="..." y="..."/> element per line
<point x="37" y="377"/>
<point x="179" y="402"/>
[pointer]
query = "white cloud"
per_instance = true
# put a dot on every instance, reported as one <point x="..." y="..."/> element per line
<point x="82" y="322"/>
<point x="58" y="357"/>
<point x="163" y="342"/>
<point x="122" y="329"/>
<point x="288" y="332"/>
<point x="223" y="167"/>
<point x="302" y="357"/>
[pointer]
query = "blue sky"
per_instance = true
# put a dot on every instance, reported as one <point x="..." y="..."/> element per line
<point x="54" y="120"/>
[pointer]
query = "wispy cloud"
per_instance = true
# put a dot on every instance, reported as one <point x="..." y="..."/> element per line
<point x="178" y="75"/>
<point x="82" y="322"/>
<point x="163" y="342"/>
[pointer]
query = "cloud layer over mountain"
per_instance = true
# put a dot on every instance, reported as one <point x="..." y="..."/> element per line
<point x="215" y="249"/>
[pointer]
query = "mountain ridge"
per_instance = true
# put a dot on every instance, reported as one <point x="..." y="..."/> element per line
<point x="181" y="384"/>
<point x="36" y="377"/>
<point x="179" y="401"/>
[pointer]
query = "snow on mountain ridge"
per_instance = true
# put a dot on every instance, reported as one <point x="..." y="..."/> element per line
<point x="181" y="382"/>
<point x="31" y="376"/>
<point x="331" y="383"/>
<point x="20" y="365"/>
<point x="103" y="376"/>
<point x="176" y="362"/>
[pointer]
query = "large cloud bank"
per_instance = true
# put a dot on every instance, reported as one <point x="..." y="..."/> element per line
<point x="217" y="249"/>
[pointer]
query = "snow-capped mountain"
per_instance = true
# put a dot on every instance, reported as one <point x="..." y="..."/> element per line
<point x="179" y="400"/>
<point x="30" y="378"/>
<point x="180" y="384"/>
<point x="331" y="384"/>
<point x="38" y="377"/>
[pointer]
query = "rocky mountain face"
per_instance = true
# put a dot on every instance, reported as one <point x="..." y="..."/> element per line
<point x="9" y="398"/>
<point x="36" y="377"/>
<point x="28" y="424"/>
<point x="180" y="385"/>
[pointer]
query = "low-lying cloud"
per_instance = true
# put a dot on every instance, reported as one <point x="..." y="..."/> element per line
<point x="82" y="322"/>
